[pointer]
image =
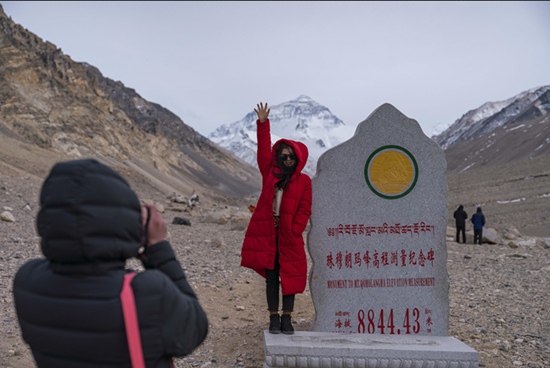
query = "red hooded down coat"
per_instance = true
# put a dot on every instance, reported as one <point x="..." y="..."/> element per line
<point x="259" y="246"/>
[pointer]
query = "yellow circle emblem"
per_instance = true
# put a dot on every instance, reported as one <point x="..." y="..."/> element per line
<point x="391" y="172"/>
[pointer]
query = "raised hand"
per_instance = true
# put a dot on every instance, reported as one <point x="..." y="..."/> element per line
<point x="262" y="112"/>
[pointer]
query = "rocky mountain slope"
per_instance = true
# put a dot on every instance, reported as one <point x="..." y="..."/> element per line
<point x="505" y="144"/>
<point x="498" y="157"/>
<point x="61" y="109"/>
<point x="514" y="194"/>
<point x="301" y="119"/>
<point x="523" y="107"/>
<point x="499" y="132"/>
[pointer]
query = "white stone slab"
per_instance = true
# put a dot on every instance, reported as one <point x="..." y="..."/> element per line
<point x="331" y="350"/>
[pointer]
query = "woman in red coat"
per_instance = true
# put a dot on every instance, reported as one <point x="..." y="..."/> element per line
<point x="273" y="244"/>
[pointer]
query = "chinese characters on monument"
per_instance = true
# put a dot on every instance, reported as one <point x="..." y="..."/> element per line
<point x="377" y="237"/>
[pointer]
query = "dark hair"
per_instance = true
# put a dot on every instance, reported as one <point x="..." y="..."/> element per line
<point x="285" y="172"/>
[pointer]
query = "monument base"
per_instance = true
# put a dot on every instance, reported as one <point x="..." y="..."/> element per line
<point x="307" y="349"/>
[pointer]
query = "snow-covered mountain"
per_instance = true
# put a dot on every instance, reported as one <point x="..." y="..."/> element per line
<point x="491" y="115"/>
<point x="301" y="119"/>
<point x="497" y="133"/>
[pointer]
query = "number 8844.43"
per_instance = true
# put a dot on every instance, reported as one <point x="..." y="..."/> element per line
<point x="370" y="323"/>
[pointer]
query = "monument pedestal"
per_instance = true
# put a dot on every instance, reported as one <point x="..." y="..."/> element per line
<point x="307" y="349"/>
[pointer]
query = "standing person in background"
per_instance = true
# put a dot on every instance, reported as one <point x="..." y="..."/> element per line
<point x="460" y="221"/>
<point x="273" y="244"/>
<point x="478" y="219"/>
<point x="68" y="304"/>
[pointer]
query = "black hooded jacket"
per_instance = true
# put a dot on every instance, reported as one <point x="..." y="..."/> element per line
<point x="68" y="304"/>
<point x="460" y="217"/>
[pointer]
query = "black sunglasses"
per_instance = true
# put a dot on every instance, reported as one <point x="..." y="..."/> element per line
<point x="285" y="157"/>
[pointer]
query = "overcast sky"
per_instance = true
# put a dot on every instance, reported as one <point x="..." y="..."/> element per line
<point x="211" y="62"/>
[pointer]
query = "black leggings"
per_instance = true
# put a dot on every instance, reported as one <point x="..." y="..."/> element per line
<point x="272" y="290"/>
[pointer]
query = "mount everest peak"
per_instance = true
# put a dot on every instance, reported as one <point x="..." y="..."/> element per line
<point x="301" y="119"/>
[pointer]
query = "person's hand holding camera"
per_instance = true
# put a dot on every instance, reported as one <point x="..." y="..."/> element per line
<point x="154" y="227"/>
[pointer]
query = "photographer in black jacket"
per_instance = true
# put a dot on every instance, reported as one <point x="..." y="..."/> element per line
<point x="68" y="304"/>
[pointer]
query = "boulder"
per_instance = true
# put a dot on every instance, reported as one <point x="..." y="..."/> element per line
<point x="527" y="242"/>
<point x="7" y="216"/>
<point x="240" y="221"/>
<point x="217" y="217"/>
<point x="491" y="236"/>
<point x="181" y="221"/>
<point x="512" y="244"/>
<point x="511" y="233"/>
<point x="160" y="207"/>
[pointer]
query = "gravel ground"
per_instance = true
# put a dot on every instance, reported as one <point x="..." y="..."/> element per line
<point x="499" y="296"/>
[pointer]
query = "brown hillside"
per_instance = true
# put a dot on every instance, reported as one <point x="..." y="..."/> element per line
<point x="508" y="143"/>
<point x="514" y="194"/>
<point x="53" y="108"/>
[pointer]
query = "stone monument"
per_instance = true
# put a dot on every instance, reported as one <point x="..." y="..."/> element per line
<point x="379" y="279"/>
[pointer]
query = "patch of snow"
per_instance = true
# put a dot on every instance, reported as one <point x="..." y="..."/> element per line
<point x="439" y="128"/>
<point x="511" y="201"/>
<point x="514" y="128"/>
<point x="467" y="167"/>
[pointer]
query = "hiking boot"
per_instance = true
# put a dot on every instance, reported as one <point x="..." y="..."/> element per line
<point x="286" y="325"/>
<point x="274" y="324"/>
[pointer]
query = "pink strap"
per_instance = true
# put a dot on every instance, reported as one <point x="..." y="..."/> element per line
<point x="131" y="322"/>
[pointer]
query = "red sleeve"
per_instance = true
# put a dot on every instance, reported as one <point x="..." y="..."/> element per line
<point x="263" y="133"/>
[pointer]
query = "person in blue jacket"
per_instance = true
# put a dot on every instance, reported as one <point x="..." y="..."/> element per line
<point x="68" y="303"/>
<point x="478" y="220"/>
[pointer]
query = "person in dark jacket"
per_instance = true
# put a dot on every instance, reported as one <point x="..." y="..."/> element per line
<point x="273" y="245"/>
<point x="460" y="221"/>
<point x="68" y="304"/>
<point x="478" y="219"/>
